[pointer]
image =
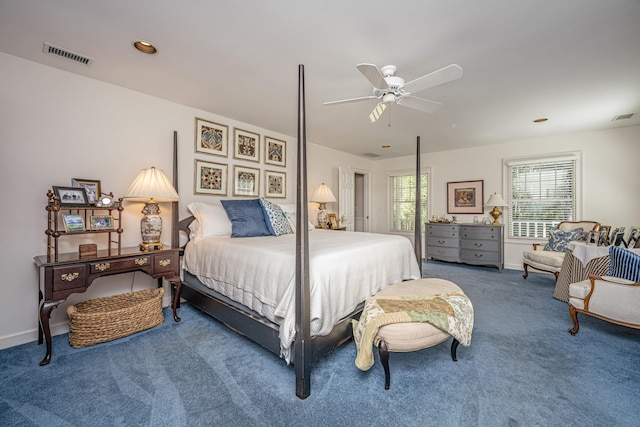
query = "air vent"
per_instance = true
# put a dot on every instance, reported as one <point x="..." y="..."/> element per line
<point x="66" y="54"/>
<point x="372" y="155"/>
<point x="622" y="117"/>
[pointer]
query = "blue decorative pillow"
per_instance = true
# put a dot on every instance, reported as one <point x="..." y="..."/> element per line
<point x="247" y="218"/>
<point x="624" y="264"/>
<point x="274" y="217"/>
<point x="559" y="239"/>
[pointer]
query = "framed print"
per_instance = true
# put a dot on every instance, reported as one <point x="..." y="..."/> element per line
<point x="593" y="238"/>
<point x="212" y="138"/>
<point x="275" y="151"/>
<point x="246" y="145"/>
<point x="333" y="221"/>
<point x="603" y="239"/>
<point x="101" y="222"/>
<point x="210" y="178"/>
<point x="246" y="181"/>
<point x="92" y="187"/>
<point x="72" y="196"/>
<point x="275" y="184"/>
<point x="73" y="223"/>
<point x="465" y="197"/>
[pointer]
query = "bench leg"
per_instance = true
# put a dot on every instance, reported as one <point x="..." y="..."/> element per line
<point x="454" y="348"/>
<point x="383" y="352"/>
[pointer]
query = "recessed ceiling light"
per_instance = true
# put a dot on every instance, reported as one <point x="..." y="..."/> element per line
<point x="145" y="47"/>
<point x="540" y="120"/>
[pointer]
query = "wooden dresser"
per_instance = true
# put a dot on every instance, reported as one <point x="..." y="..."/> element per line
<point x="475" y="244"/>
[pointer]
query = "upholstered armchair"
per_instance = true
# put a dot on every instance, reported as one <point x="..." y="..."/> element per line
<point x="549" y="257"/>
<point x="614" y="298"/>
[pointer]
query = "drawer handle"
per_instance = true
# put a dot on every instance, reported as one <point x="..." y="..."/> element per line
<point x="441" y="242"/>
<point x="477" y="245"/>
<point x="478" y="255"/>
<point x="70" y="277"/>
<point x="104" y="266"/>
<point x="164" y="262"/>
<point x="141" y="261"/>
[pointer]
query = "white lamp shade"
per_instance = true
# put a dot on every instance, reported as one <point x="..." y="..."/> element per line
<point x="496" y="200"/>
<point x="323" y="194"/>
<point x="152" y="184"/>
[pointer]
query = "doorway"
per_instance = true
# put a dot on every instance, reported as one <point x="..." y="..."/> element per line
<point x="354" y="199"/>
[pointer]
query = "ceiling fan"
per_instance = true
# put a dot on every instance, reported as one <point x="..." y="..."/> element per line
<point x="389" y="88"/>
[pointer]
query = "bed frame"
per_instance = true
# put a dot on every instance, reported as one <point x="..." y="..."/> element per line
<point x="307" y="349"/>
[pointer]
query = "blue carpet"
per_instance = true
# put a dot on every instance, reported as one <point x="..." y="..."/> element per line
<point x="522" y="369"/>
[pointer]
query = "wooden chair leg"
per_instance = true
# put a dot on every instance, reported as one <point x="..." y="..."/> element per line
<point x="526" y="270"/>
<point x="454" y="348"/>
<point x="574" y="316"/>
<point x="383" y="352"/>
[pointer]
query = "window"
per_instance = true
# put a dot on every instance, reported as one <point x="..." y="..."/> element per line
<point x="541" y="193"/>
<point x="402" y="200"/>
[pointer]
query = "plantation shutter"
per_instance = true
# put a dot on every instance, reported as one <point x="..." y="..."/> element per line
<point x="402" y="201"/>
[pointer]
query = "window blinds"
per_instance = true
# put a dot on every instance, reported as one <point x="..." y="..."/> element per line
<point x="402" y="201"/>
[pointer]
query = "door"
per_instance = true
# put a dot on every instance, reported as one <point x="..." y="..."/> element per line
<point x="354" y="199"/>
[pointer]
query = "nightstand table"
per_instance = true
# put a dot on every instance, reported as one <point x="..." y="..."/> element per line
<point x="71" y="274"/>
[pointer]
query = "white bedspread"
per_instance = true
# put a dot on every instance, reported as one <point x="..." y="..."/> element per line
<point x="345" y="268"/>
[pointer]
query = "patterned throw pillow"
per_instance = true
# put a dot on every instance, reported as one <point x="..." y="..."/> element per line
<point x="624" y="264"/>
<point x="275" y="218"/>
<point x="559" y="239"/>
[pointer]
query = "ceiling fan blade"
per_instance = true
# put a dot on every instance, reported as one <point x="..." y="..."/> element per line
<point x="373" y="74"/>
<point x="377" y="112"/>
<point x="344" y="101"/>
<point x="419" y="104"/>
<point x="443" y="75"/>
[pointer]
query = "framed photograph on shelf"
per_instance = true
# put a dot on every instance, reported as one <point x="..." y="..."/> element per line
<point x="91" y="186"/>
<point x="246" y="181"/>
<point x="465" y="197"/>
<point x="246" y="145"/>
<point x="72" y="196"/>
<point x="603" y="238"/>
<point x="210" y="178"/>
<point x="333" y="221"/>
<point x="275" y="184"/>
<point x="73" y="223"/>
<point x="101" y="222"/>
<point x="275" y="151"/>
<point x="212" y="138"/>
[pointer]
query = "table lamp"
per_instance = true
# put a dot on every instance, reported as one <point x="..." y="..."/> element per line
<point x="496" y="202"/>
<point x="151" y="186"/>
<point x="323" y="195"/>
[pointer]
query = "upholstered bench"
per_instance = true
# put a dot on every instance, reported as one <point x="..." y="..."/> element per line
<point x="411" y="335"/>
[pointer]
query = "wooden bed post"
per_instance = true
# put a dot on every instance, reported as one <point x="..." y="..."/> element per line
<point x="175" y="231"/>
<point x="418" y="220"/>
<point x="302" y="345"/>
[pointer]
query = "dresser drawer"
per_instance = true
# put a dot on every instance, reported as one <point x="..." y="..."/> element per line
<point x="469" y="255"/>
<point x="480" y="232"/>
<point x="163" y="263"/>
<point x="443" y="253"/>
<point x="121" y="264"/>
<point x="68" y="277"/>
<point x="443" y="230"/>
<point x="450" y="242"/>
<point x="481" y="245"/>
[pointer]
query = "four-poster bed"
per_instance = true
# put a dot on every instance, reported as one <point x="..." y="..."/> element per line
<point x="309" y="324"/>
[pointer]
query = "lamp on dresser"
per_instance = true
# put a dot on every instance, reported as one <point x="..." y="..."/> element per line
<point x="495" y="201"/>
<point x="151" y="186"/>
<point x="323" y="195"/>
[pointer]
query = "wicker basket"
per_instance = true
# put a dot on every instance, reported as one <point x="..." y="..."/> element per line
<point x="108" y="318"/>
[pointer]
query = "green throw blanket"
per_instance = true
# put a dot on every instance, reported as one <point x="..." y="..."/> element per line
<point x="450" y="312"/>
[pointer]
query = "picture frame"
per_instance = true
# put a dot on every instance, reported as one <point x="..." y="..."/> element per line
<point x="275" y="184"/>
<point x="246" y="145"/>
<point x="593" y="238"/>
<point x="634" y="238"/>
<point x="101" y="222"/>
<point x="332" y="219"/>
<point x="246" y="181"/>
<point x="211" y="138"/>
<point x="275" y="151"/>
<point x="465" y="197"/>
<point x="72" y="196"/>
<point x="603" y="235"/>
<point x="92" y="186"/>
<point x="73" y="223"/>
<point x="210" y="178"/>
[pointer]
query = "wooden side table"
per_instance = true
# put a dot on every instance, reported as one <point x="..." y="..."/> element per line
<point x="70" y="274"/>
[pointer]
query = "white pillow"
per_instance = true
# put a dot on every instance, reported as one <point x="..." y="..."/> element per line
<point x="291" y="217"/>
<point x="212" y="220"/>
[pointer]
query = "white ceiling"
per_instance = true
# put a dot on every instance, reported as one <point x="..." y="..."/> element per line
<point x="576" y="62"/>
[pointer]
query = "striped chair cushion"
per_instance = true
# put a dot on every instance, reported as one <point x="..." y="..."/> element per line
<point x="624" y="263"/>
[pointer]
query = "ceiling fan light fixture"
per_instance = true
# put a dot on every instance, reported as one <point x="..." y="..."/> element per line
<point x="145" y="47"/>
<point x="388" y="98"/>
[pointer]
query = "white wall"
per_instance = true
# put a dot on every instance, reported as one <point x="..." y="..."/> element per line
<point x="610" y="186"/>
